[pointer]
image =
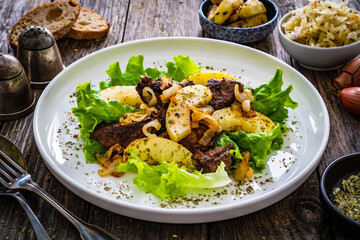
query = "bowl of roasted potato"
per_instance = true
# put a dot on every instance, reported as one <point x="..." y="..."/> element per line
<point x="240" y="21"/>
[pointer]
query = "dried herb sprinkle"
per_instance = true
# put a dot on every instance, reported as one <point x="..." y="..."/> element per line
<point x="347" y="197"/>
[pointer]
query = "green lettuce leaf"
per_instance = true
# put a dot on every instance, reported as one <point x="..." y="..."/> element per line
<point x="132" y="75"/>
<point x="168" y="180"/>
<point x="182" y="68"/>
<point x="272" y="101"/>
<point x="115" y="75"/>
<point x="154" y="73"/>
<point x="178" y="71"/>
<point x="258" y="144"/>
<point x="92" y="110"/>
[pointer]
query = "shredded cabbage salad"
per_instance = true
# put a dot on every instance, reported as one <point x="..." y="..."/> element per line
<point x="323" y="24"/>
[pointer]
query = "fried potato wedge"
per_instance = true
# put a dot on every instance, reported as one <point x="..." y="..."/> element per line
<point x="233" y="17"/>
<point x="124" y="94"/>
<point x="259" y="123"/>
<point x="253" y="21"/>
<point x="212" y="11"/>
<point x="229" y="119"/>
<point x="203" y="77"/>
<point x="251" y="8"/>
<point x="225" y="9"/>
<point x="232" y="119"/>
<point x="217" y="2"/>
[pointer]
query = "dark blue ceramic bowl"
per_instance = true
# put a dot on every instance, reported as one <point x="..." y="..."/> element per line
<point x="239" y="35"/>
<point x="332" y="177"/>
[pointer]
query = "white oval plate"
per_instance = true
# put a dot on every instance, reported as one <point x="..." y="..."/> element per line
<point x="55" y="127"/>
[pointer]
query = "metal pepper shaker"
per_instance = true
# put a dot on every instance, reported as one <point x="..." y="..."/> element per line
<point x="39" y="54"/>
<point x="16" y="97"/>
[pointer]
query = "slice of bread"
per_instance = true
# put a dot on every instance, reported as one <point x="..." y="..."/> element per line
<point x="89" y="25"/>
<point x="58" y="17"/>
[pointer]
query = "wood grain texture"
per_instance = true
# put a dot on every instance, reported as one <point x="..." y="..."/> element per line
<point x="298" y="216"/>
<point x="161" y="18"/>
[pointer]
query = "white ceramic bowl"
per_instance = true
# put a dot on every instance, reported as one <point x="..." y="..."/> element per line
<point x="317" y="58"/>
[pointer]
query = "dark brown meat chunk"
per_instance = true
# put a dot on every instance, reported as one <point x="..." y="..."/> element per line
<point x="209" y="161"/>
<point x="207" y="157"/>
<point x="109" y="134"/>
<point x="148" y="82"/>
<point x="186" y="83"/>
<point x="191" y="141"/>
<point x="222" y="92"/>
<point x="156" y="87"/>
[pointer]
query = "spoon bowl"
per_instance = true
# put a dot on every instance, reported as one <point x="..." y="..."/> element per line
<point x="12" y="151"/>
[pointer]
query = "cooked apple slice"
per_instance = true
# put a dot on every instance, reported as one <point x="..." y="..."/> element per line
<point x="178" y="114"/>
<point x="153" y="150"/>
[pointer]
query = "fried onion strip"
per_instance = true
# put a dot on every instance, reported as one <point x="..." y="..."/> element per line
<point x="152" y="124"/>
<point x="206" y="119"/>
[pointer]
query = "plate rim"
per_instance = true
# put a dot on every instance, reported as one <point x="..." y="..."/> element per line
<point x="278" y="193"/>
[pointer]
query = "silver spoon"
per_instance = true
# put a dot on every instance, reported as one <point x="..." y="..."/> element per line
<point x="7" y="147"/>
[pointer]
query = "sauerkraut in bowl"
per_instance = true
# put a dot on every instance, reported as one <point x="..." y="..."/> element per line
<point x="323" y="24"/>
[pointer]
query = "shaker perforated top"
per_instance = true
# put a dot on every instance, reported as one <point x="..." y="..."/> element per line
<point x="36" y="38"/>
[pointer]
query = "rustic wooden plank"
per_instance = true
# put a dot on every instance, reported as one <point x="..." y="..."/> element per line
<point x="114" y="12"/>
<point x="11" y="12"/>
<point x="149" y="19"/>
<point x="298" y="216"/>
<point x="344" y="129"/>
<point x="14" y="223"/>
<point x="129" y="228"/>
<point x="20" y="131"/>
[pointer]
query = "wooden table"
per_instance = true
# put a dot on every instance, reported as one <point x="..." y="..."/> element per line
<point x="298" y="216"/>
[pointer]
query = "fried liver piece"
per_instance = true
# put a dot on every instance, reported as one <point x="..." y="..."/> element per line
<point x="208" y="157"/>
<point x="223" y="92"/>
<point x="191" y="141"/>
<point x="109" y="134"/>
<point x="209" y="161"/>
<point x="150" y="83"/>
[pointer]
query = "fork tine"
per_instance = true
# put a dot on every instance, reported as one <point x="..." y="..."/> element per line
<point x="14" y="164"/>
<point x="6" y="166"/>
<point x="3" y="182"/>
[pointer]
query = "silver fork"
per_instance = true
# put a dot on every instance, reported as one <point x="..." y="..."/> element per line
<point x="39" y="230"/>
<point x="18" y="178"/>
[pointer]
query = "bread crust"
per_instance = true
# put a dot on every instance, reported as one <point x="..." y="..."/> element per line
<point x="50" y="15"/>
<point x="90" y="25"/>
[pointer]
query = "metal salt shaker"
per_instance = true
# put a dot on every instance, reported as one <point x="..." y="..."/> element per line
<point x="39" y="54"/>
<point x="16" y="97"/>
